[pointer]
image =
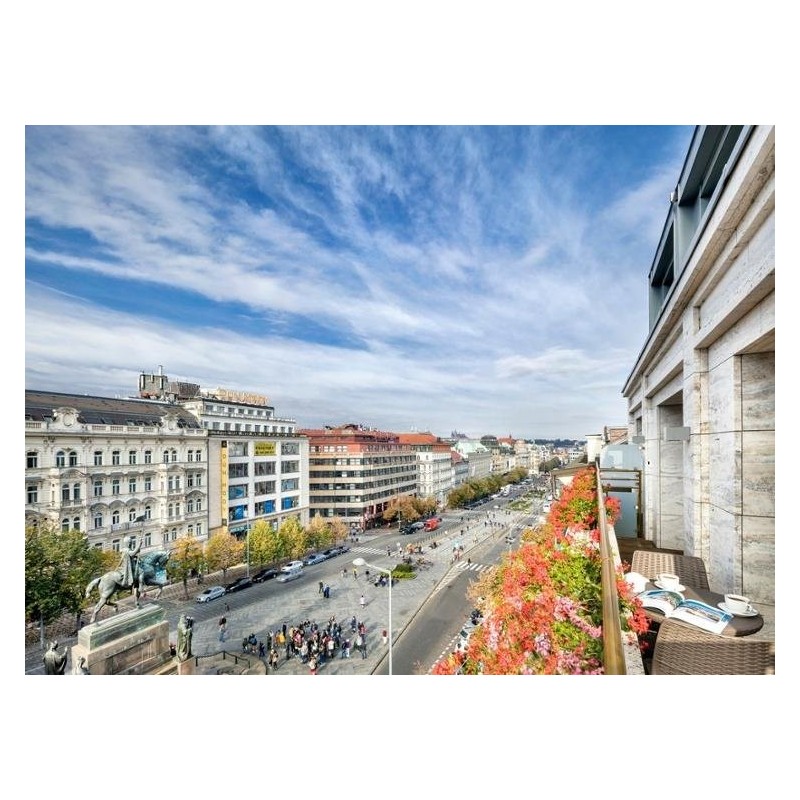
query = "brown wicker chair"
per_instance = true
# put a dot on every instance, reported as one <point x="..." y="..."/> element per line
<point x="691" y="569"/>
<point x="683" y="649"/>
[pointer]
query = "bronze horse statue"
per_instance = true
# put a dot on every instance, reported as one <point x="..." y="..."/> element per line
<point x="150" y="571"/>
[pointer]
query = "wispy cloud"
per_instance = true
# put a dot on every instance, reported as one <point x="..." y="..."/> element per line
<point x="484" y="279"/>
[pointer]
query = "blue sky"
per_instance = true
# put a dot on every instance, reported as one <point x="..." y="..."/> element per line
<point x="488" y="279"/>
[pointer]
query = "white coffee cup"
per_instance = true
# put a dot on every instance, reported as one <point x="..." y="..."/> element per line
<point x="669" y="581"/>
<point x="738" y="603"/>
<point x="637" y="581"/>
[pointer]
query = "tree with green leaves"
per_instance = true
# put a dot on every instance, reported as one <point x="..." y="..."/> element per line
<point x="264" y="548"/>
<point x="58" y="567"/>
<point x="185" y="559"/>
<point x="292" y="539"/>
<point x="223" y="551"/>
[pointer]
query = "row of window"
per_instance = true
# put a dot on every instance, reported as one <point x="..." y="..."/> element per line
<point x="69" y="458"/>
<point x="73" y="493"/>
<point x="261" y="468"/>
<point x="74" y="524"/>
<point x="193" y="505"/>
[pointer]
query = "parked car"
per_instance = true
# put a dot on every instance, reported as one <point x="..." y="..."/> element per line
<point x="314" y="558"/>
<point x="285" y="577"/>
<point x="292" y="566"/>
<point x="417" y="526"/>
<point x="238" y="584"/>
<point x="210" y="593"/>
<point x="265" y="575"/>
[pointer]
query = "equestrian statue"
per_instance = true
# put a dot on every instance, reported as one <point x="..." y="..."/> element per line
<point x="134" y="572"/>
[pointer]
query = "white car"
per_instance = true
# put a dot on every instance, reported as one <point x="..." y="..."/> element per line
<point x="211" y="593"/>
<point x="292" y="566"/>
<point x="285" y="577"/>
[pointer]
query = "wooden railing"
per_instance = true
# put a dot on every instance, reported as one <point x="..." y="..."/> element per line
<point x="613" y="656"/>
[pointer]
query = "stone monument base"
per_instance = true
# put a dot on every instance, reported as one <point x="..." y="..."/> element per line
<point x="134" y="642"/>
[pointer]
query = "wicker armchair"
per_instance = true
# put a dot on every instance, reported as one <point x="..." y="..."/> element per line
<point x="692" y="570"/>
<point x="682" y="649"/>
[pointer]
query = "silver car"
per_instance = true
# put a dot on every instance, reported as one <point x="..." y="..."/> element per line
<point x="285" y="577"/>
<point x="211" y="593"/>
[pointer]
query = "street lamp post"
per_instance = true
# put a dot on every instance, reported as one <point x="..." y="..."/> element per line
<point x="359" y="562"/>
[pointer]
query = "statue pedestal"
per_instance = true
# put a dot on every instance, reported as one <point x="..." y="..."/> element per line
<point x="186" y="667"/>
<point x="133" y="642"/>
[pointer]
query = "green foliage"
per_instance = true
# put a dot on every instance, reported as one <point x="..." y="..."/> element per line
<point x="223" y="551"/>
<point x="264" y="544"/>
<point x="58" y="566"/>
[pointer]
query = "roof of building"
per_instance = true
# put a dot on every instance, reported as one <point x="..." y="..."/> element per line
<point x="39" y="406"/>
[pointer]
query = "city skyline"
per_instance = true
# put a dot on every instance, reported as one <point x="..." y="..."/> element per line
<point x="488" y="279"/>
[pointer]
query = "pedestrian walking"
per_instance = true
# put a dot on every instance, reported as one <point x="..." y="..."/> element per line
<point x="384" y="636"/>
<point x="312" y="665"/>
<point x="362" y="601"/>
<point x="355" y="573"/>
<point x="320" y="587"/>
<point x="223" y="627"/>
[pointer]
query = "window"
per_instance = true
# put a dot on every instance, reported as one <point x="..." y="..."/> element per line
<point x="190" y="455"/>
<point x="115" y="486"/>
<point x="131" y="485"/>
<point x="33" y="494"/>
<point x="190" y="480"/>
<point x="147" y="540"/>
<point x="170" y="511"/>
<point x="165" y="538"/>
<point x="131" y="514"/>
<point x="198" y="455"/>
<point x="190" y="530"/>
<point x="98" y="458"/>
<point x="148" y="483"/>
<point x="174" y="454"/>
<point x="64" y="525"/>
<point x="115" y="517"/>
<point x="198" y="504"/>
<point x="199" y="529"/>
<point x="73" y="458"/>
<point x="189" y="506"/>
<point x="64" y="492"/>
<point x="76" y="523"/>
<point x="60" y="458"/>
<point x="97" y="488"/>
<point x="173" y="534"/>
<point x="98" y="519"/>
<point x="131" y="457"/>
<point x="166" y="456"/>
<point x="115" y="457"/>
<point x="76" y="491"/>
<point x="148" y="512"/>
<point x="148" y="456"/>
<point x="32" y="459"/>
<point x="198" y="479"/>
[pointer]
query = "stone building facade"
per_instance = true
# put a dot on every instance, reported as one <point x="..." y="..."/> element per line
<point x="701" y="395"/>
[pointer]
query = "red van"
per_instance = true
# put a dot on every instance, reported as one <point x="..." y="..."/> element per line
<point x="431" y="524"/>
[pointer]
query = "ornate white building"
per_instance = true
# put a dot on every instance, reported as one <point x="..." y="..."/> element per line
<point x="112" y="467"/>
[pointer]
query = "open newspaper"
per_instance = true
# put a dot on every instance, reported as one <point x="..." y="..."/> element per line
<point x="676" y="606"/>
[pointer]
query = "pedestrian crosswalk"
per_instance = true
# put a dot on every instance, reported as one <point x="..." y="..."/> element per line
<point x="473" y="566"/>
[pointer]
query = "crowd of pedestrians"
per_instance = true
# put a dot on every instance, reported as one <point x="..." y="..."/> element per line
<point x="308" y="642"/>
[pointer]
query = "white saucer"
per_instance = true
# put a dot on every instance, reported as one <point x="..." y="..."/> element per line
<point x="678" y="588"/>
<point x="751" y="613"/>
